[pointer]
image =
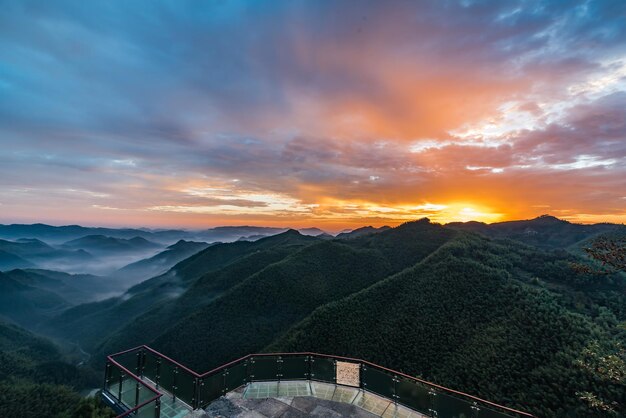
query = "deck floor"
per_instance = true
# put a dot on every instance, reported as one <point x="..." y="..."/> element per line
<point x="295" y="399"/>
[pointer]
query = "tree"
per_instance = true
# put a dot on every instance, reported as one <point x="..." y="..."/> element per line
<point x="609" y="252"/>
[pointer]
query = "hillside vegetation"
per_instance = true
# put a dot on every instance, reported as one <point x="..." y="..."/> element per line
<point x="35" y="382"/>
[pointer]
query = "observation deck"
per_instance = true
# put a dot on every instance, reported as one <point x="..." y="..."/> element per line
<point x="142" y="382"/>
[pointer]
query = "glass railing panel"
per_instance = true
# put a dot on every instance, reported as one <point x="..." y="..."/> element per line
<point x="323" y="369"/>
<point x="263" y="368"/>
<point x="491" y="413"/>
<point x="129" y="391"/>
<point x="112" y="383"/>
<point x="294" y="367"/>
<point x="236" y="375"/>
<point x="147" y="411"/>
<point x="145" y="394"/>
<point x="413" y="394"/>
<point x="167" y="377"/>
<point x="185" y="388"/>
<point x="452" y="407"/>
<point x="378" y="381"/>
<point x="210" y="388"/>
<point x="150" y="366"/>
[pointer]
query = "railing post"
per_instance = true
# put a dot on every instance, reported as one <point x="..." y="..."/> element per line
<point x="476" y="409"/>
<point x="107" y="375"/>
<point x="119" y="391"/>
<point x="157" y="408"/>
<point x="158" y="372"/>
<point x="395" y="389"/>
<point x="138" y="367"/>
<point x="194" y="397"/>
<point x="361" y="370"/>
<point x="137" y="393"/>
<point x="432" y="410"/>
<point x="174" y="387"/>
<point x="279" y="368"/>
<point x="308" y="367"/>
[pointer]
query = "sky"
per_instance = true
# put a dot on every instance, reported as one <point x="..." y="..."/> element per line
<point x="324" y="113"/>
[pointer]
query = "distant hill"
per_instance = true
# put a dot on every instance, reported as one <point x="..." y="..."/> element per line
<point x="163" y="261"/>
<point x="361" y="231"/>
<point x="10" y="261"/>
<point x="545" y="231"/>
<point x="100" y="244"/>
<point x="311" y="231"/>
<point x="62" y="234"/>
<point x="29" y="253"/>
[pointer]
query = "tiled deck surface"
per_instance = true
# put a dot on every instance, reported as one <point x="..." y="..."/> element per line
<point x="295" y="399"/>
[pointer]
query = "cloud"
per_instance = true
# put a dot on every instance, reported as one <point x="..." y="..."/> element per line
<point x="321" y="110"/>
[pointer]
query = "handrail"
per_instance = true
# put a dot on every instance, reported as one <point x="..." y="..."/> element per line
<point x="350" y="359"/>
<point x="138" y="407"/>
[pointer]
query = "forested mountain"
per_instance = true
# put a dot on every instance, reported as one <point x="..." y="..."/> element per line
<point x="293" y="276"/>
<point x="494" y="319"/>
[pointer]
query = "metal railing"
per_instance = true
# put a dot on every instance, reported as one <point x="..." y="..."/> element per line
<point x="199" y="390"/>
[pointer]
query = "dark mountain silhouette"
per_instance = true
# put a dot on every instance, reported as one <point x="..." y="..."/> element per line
<point x="311" y="231"/>
<point x="544" y="231"/>
<point x="60" y="234"/>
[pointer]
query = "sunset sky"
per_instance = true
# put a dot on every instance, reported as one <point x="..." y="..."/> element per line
<point x="333" y="114"/>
